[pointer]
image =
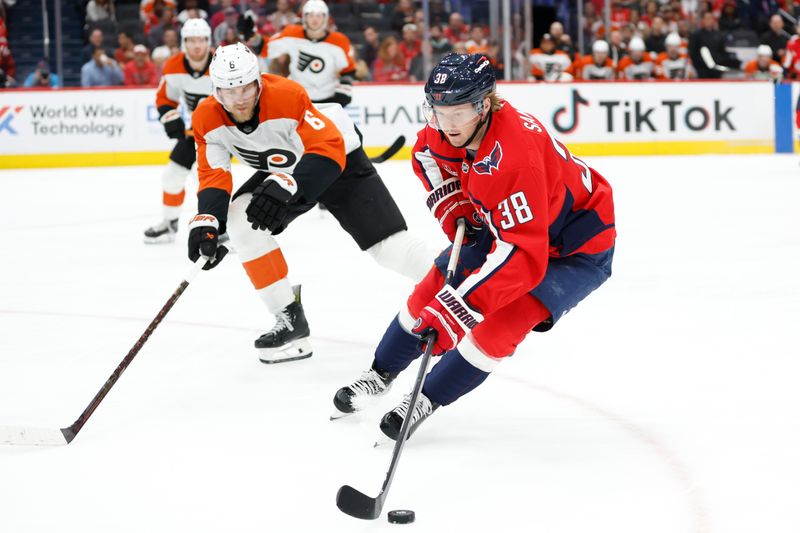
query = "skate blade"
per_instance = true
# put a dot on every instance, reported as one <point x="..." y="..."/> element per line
<point x="382" y="440"/>
<point x="338" y="415"/>
<point x="161" y="239"/>
<point x="363" y="405"/>
<point x="294" y="351"/>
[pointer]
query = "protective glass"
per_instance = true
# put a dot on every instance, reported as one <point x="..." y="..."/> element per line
<point x="236" y="96"/>
<point x="454" y="117"/>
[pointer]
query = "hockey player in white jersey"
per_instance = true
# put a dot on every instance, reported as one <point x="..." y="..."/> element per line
<point x="318" y="59"/>
<point x="185" y="82"/>
<point x="300" y="158"/>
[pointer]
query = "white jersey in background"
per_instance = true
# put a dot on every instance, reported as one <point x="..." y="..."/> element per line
<point x="316" y="65"/>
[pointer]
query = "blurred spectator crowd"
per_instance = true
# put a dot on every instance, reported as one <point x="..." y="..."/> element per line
<point x="127" y="41"/>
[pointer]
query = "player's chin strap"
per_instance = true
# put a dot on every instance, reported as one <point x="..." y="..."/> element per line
<point x="474" y="132"/>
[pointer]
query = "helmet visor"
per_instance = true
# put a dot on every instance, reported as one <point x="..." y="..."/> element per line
<point x="238" y="98"/>
<point x="454" y="117"/>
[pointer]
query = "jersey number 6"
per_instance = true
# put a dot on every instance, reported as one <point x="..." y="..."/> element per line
<point x="315" y="122"/>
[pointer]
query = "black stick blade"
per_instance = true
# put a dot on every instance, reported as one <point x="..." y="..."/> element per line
<point x="357" y="504"/>
<point x="391" y="151"/>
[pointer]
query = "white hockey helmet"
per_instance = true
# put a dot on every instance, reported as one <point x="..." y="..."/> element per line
<point x="636" y="45"/>
<point x="233" y="66"/>
<point x="673" y="39"/>
<point x="764" y="50"/>
<point x="195" y="28"/>
<point x="599" y="46"/>
<point x="316" y="6"/>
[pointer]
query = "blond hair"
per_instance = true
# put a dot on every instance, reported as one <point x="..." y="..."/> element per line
<point x="496" y="101"/>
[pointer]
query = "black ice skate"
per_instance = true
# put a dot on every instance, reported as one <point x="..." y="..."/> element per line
<point x="393" y="420"/>
<point x="288" y="339"/>
<point x="354" y="397"/>
<point x="163" y="232"/>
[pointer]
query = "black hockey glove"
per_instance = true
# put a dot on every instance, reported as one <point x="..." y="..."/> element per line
<point x="270" y="203"/>
<point x="245" y="25"/>
<point x="173" y="124"/>
<point x="204" y="240"/>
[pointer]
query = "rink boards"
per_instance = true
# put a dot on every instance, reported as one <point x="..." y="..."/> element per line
<point x="74" y="127"/>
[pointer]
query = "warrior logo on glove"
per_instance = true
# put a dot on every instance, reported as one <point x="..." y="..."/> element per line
<point x="449" y="317"/>
<point x="204" y="240"/>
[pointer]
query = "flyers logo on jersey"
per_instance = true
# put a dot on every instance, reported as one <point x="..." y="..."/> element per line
<point x="491" y="161"/>
<point x="313" y="63"/>
<point x="267" y="160"/>
<point x="192" y="99"/>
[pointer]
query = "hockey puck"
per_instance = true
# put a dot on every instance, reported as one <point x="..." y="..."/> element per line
<point x="401" y="516"/>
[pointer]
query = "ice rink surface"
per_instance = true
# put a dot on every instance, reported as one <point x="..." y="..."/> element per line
<point x="667" y="402"/>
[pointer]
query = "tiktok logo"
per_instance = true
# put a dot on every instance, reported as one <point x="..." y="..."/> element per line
<point x="577" y="101"/>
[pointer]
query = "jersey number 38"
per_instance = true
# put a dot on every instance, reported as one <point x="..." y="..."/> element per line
<point x="514" y="210"/>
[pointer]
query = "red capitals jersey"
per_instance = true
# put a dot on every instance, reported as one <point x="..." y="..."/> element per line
<point x="791" y="61"/>
<point x="538" y="200"/>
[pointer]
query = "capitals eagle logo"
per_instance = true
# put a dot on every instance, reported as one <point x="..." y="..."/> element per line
<point x="491" y="161"/>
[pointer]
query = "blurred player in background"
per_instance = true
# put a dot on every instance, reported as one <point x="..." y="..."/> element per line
<point x="597" y="66"/>
<point x="185" y="81"/>
<point x="637" y="65"/>
<point x="300" y="157"/>
<point x="542" y="235"/>
<point x="548" y="63"/>
<point x="319" y="60"/>
<point x="763" y="67"/>
<point x="673" y="63"/>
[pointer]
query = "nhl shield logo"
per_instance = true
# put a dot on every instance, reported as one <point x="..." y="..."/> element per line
<point x="491" y="161"/>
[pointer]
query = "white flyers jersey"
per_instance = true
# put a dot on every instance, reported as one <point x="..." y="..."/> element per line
<point x="678" y="68"/>
<point x="587" y="69"/>
<point x="343" y="122"/>
<point x="548" y="67"/>
<point x="631" y="70"/>
<point x="316" y="65"/>
<point x="286" y="128"/>
<point x="181" y="84"/>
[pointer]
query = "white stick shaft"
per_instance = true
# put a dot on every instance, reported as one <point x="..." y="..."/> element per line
<point x="196" y="267"/>
<point x="457" y="242"/>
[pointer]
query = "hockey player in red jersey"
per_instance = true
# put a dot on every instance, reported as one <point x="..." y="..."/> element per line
<point x="185" y="82"/>
<point x="541" y="225"/>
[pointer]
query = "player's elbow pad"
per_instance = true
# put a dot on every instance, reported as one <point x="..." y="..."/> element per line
<point x="314" y="173"/>
<point x="214" y="202"/>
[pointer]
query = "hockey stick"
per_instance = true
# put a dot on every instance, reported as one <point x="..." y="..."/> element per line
<point x="355" y="503"/>
<point x="56" y="437"/>
<point x="705" y="53"/>
<point x="391" y="151"/>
